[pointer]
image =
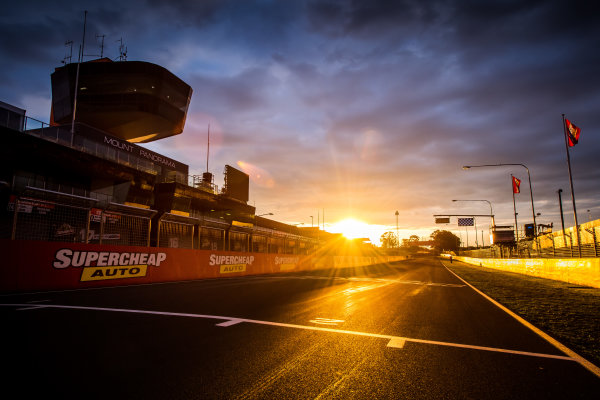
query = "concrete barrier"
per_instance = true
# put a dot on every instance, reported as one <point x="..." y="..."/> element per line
<point x="579" y="271"/>
<point x="37" y="265"/>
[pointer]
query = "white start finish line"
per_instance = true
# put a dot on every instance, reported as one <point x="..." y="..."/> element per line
<point x="393" y="341"/>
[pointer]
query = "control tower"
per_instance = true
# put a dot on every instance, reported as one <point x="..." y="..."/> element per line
<point x="132" y="100"/>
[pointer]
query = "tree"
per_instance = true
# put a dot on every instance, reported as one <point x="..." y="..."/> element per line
<point x="411" y="243"/>
<point x="389" y="240"/>
<point x="445" y="240"/>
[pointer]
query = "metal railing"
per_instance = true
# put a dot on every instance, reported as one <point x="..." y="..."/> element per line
<point x="198" y="182"/>
<point x="40" y="184"/>
<point x="65" y="138"/>
<point x="554" y="245"/>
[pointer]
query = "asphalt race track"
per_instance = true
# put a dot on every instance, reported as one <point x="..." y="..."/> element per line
<point x="409" y="330"/>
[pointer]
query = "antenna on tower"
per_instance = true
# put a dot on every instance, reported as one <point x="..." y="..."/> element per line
<point x="101" y="47"/>
<point x="101" y="44"/>
<point x="208" y="147"/>
<point x="70" y="55"/>
<point x="207" y="177"/>
<point x="122" y="51"/>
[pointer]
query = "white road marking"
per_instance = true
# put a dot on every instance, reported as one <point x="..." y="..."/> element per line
<point x="32" y="307"/>
<point x="230" y="322"/>
<point x="574" y="356"/>
<point x="364" y="288"/>
<point x="359" y="279"/>
<point x="326" y="321"/>
<point x="397" y="343"/>
<point x="233" y="320"/>
<point x="231" y="279"/>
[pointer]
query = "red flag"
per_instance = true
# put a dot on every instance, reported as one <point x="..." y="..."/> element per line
<point x="572" y="133"/>
<point x="516" y="185"/>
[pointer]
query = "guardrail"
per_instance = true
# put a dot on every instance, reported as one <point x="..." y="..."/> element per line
<point x="580" y="271"/>
<point x="66" y="138"/>
<point x="552" y="245"/>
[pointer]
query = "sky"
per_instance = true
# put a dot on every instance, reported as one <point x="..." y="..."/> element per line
<point x="354" y="109"/>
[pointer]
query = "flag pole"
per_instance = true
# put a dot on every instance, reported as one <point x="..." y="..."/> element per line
<point x="512" y="184"/>
<point x="476" y="241"/>
<point x="571" y="182"/>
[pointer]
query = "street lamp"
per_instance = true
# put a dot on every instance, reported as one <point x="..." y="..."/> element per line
<point x="311" y="221"/>
<point x="466" y="167"/>
<point x="260" y="215"/>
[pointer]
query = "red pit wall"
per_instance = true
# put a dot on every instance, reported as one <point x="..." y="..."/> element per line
<point x="29" y="265"/>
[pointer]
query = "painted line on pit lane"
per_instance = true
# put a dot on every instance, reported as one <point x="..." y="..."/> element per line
<point x="394" y="341"/>
<point x="31" y="307"/>
<point x="574" y="356"/>
<point x="357" y="279"/>
<point x="230" y="322"/>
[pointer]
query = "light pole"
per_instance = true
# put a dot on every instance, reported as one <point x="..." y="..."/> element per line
<point x="397" y="234"/>
<point x="312" y="221"/>
<point x="466" y="167"/>
<point x="562" y="218"/>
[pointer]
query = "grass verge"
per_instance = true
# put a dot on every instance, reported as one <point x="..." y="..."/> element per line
<point x="567" y="312"/>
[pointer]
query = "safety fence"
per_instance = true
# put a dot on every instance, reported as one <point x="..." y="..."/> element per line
<point x="561" y="244"/>
<point x="82" y="220"/>
<point x="175" y="235"/>
<point x="568" y="244"/>
<point x="118" y="228"/>
<point x="35" y="219"/>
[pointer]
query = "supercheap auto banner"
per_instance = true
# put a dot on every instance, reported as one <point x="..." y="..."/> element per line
<point x="35" y="265"/>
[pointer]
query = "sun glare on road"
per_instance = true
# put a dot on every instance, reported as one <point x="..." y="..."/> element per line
<point x="351" y="228"/>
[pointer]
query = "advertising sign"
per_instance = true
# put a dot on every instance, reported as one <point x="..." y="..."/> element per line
<point x="36" y="265"/>
<point x="62" y="265"/>
<point x="503" y="236"/>
<point x="237" y="183"/>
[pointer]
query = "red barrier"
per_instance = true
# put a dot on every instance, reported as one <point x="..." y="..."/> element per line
<point x="35" y="265"/>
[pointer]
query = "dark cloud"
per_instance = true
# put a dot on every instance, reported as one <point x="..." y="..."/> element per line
<point x="370" y="18"/>
<point x="198" y="13"/>
<point x="344" y="102"/>
<point x="243" y="92"/>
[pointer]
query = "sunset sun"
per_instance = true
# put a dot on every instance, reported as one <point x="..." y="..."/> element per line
<point x="351" y="228"/>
